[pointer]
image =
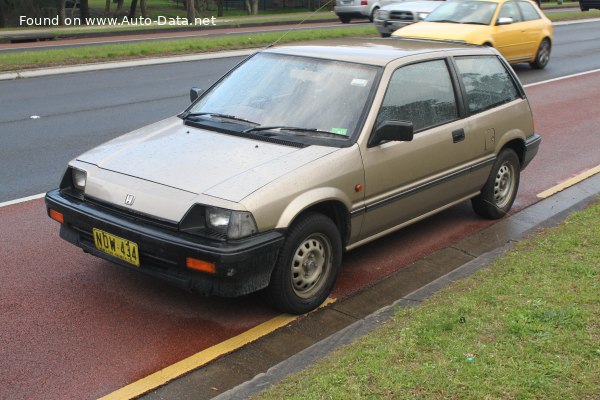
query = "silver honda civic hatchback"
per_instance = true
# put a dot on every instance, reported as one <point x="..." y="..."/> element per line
<point x="295" y="156"/>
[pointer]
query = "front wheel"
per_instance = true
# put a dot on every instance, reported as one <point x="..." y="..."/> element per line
<point x="345" y="20"/>
<point x="500" y="190"/>
<point x="307" y="266"/>
<point x="542" y="56"/>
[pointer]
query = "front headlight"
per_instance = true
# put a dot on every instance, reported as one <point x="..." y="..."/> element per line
<point x="209" y="220"/>
<point x="79" y="178"/>
<point x="381" y="14"/>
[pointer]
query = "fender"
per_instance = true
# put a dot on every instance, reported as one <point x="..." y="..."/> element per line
<point x="309" y="199"/>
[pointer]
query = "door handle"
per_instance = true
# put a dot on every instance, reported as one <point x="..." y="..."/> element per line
<point x="458" y="135"/>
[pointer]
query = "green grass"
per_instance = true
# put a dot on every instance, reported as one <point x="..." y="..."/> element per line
<point x="36" y="59"/>
<point x="528" y="327"/>
<point x="573" y="15"/>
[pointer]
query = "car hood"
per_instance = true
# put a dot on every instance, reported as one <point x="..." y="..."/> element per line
<point x="200" y="161"/>
<point x="469" y="33"/>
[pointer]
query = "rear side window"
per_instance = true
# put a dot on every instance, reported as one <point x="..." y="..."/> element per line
<point x="486" y="81"/>
<point x="510" y="10"/>
<point x="528" y="11"/>
<point x="422" y="94"/>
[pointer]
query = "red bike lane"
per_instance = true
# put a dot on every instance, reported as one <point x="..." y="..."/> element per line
<point x="74" y="326"/>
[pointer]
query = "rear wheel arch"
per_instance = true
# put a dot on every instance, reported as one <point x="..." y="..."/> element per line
<point x="518" y="146"/>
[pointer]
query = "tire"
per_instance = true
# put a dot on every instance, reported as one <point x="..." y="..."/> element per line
<point x="345" y="20"/>
<point x="543" y="55"/>
<point x="372" y="16"/>
<point x="385" y="35"/>
<point x="307" y="266"/>
<point x="582" y="7"/>
<point x="500" y="190"/>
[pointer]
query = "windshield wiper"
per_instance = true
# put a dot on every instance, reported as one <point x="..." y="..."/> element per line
<point x="188" y="114"/>
<point x="443" y="20"/>
<point x="290" y="128"/>
<point x="474" y="23"/>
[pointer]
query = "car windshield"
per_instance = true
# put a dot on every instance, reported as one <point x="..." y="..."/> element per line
<point x="292" y="95"/>
<point x="464" y="12"/>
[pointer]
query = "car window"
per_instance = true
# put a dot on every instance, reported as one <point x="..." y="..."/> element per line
<point x="486" y="81"/>
<point x="282" y="90"/>
<point x="464" y="12"/>
<point x="420" y="93"/>
<point x="510" y="10"/>
<point x="528" y="11"/>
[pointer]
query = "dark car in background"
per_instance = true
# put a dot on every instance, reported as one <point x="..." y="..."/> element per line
<point x="585" y="5"/>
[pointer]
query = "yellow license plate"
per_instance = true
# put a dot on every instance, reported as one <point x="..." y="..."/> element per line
<point x="123" y="249"/>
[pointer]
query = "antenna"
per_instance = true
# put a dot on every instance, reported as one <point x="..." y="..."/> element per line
<point x="299" y="23"/>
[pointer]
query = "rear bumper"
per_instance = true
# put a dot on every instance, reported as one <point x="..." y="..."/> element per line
<point x="532" y="144"/>
<point x="352" y="11"/>
<point x="242" y="266"/>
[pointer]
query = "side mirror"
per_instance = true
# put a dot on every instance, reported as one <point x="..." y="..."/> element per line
<point x="397" y="131"/>
<point x="195" y="93"/>
<point x="504" y="21"/>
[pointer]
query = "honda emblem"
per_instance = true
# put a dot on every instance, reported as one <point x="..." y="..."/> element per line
<point x="129" y="199"/>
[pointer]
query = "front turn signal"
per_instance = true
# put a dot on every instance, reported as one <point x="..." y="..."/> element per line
<point x="57" y="216"/>
<point x="199" y="265"/>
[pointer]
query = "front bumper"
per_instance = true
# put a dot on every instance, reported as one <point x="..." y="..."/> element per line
<point x="242" y="266"/>
<point x="532" y="145"/>
<point x="387" y="27"/>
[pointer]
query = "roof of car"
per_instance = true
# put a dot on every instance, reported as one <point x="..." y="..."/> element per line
<point x="374" y="51"/>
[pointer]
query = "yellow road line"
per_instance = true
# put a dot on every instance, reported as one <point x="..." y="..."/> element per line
<point x="568" y="183"/>
<point x="191" y="363"/>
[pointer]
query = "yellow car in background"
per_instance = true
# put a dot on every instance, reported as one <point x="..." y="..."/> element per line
<point x="516" y="28"/>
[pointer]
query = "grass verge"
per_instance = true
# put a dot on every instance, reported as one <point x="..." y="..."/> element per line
<point x="114" y="52"/>
<point x="528" y="327"/>
<point x="573" y="15"/>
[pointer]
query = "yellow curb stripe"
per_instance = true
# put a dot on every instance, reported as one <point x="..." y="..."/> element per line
<point x="197" y="360"/>
<point x="568" y="183"/>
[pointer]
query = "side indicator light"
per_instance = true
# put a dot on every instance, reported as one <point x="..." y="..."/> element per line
<point x="200" y="265"/>
<point x="55" y="215"/>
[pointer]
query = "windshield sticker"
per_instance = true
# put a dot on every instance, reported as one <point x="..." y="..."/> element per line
<point x="359" y="82"/>
<point x="340" y="131"/>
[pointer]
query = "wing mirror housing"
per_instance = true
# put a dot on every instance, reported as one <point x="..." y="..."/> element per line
<point x="396" y="131"/>
<point x="195" y="93"/>
<point x="504" y="21"/>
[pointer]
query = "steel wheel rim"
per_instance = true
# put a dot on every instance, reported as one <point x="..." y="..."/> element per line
<point x="310" y="265"/>
<point x="544" y="53"/>
<point x="504" y="185"/>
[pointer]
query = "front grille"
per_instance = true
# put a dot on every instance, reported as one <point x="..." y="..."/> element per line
<point x="402" y="15"/>
<point x="133" y="216"/>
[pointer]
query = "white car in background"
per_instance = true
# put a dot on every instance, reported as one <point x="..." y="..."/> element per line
<point x="395" y="15"/>
<point x="346" y="10"/>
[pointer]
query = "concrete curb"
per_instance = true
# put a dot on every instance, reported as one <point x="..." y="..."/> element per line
<point x="548" y="212"/>
<point x="160" y="60"/>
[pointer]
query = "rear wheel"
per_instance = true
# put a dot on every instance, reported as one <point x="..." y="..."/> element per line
<point x="345" y="20"/>
<point x="582" y="7"/>
<point x="385" y="34"/>
<point x="543" y="55"/>
<point x="307" y="266"/>
<point x="499" y="192"/>
<point x="372" y="16"/>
